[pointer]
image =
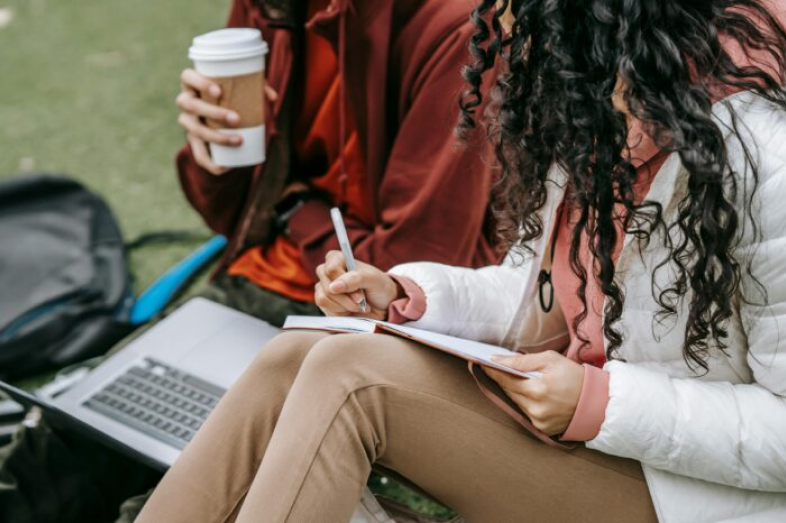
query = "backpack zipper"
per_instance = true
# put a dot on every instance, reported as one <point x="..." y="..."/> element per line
<point x="10" y="330"/>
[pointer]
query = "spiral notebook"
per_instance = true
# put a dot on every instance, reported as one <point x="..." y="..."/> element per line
<point x="472" y="351"/>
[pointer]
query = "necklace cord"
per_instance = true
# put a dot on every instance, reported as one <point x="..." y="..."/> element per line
<point x="545" y="277"/>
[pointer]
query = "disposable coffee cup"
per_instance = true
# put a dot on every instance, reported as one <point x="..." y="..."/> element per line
<point x="235" y="60"/>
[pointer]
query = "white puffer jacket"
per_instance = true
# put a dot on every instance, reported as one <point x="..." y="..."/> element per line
<point x="713" y="448"/>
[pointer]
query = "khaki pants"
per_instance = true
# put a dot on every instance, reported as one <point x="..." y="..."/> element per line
<point x="295" y="439"/>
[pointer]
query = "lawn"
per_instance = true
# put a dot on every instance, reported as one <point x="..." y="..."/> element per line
<point x="88" y="90"/>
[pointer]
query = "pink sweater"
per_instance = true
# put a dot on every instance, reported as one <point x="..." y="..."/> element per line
<point x="591" y="407"/>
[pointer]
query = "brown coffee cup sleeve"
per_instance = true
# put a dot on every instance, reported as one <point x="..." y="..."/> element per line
<point x="243" y="94"/>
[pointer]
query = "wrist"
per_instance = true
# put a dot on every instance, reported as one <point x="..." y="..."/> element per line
<point x="409" y="303"/>
<point x="397" y="291"/>
<point x="590" y="411"/>
<point x="394" y="293"/>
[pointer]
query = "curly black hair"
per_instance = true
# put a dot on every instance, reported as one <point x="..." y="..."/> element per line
<point x="557" y="69"/>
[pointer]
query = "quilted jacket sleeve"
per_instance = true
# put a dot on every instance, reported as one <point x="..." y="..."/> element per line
<point x="733" y="434"/>
<point x="718" y="432"/>
<point x="494" y="304"/>
<point x="457" y="299"/>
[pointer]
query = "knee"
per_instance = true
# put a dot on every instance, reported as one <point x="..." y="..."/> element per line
<point x="352" y="359"/>
<point x="284" y="354"/>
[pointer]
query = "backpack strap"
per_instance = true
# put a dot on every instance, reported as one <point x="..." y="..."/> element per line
<point x="161" y="292"/>
<point x="514" y="413"/>
<point x="148" y="238"/>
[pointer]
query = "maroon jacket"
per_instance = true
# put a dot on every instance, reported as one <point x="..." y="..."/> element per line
<point x="401" y="69"/>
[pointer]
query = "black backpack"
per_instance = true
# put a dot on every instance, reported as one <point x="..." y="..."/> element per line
<point x="65" y="288"/>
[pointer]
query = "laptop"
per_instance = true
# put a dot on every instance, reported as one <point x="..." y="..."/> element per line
<point x="150" y="398"/>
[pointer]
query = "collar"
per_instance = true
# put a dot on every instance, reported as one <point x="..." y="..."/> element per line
<point x="284" y="13"/>
<point x="641" y="146"/>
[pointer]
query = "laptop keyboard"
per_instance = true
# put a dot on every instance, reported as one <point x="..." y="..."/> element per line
<point x="156" y="399"/>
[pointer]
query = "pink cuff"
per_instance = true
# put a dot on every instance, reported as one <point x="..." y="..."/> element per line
<point x="411" y="308"/>
<point x="591" y="409"/>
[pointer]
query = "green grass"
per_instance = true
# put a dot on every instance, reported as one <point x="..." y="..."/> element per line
<point x="88" y="89"/>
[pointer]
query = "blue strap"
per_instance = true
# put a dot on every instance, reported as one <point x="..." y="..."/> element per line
<point x="160" y="293"/>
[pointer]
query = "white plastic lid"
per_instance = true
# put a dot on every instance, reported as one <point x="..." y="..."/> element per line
<point x="228" y="44"/>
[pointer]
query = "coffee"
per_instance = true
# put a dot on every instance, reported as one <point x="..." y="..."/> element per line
<point x="235" y="60"/>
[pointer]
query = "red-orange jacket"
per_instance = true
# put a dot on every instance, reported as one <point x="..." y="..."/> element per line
<point x="401" y="63"/>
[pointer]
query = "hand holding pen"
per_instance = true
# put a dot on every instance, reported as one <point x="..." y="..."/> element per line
<point x="346" y="249"/>
<point x="350" y="288"/>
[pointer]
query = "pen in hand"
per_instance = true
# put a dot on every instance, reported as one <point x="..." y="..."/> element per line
<point x="346" y="248"/>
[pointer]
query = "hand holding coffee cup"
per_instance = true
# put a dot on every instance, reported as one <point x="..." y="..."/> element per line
<point x="195" y="110"/>
<point x="221" y="102"/>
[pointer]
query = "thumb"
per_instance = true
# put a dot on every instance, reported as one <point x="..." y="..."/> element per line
<point x="526" y="362"/>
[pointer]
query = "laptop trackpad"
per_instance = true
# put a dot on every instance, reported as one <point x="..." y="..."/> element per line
<point x="222" y="358"/>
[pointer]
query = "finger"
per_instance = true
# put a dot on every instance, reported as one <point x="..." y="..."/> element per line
<point x="335" y="256"/>
<point x="202" y="157"/>
<point x="271" y="94"/>
<point x="328" y="305"/>
<point x="528" y="362"/>
<point x="189" y="103"/>
<point x="538" y="415"/>
<point x="335" y="266"/>
<point x="341" y="299"/>
<point x="537" y="412"/>
<point x="194" y="126"/>
<point x="527" y="405"/>
<point x="536" y="389"/>
<point x="188" y="89"/>
<point x="506" y="381"/>
<point x="199" y="83"/>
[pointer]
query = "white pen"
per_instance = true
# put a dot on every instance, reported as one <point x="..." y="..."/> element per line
<point x="346" y="248"/>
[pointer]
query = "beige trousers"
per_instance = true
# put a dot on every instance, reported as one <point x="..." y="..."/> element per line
<point x="295" y="439"/>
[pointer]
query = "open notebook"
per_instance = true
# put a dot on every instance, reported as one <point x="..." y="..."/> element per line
<point x="476" y="352"/>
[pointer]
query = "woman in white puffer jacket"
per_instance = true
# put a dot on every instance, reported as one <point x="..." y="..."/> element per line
<point x="712" y="444"/>
<point x="710" y="431"/>
<point x="642" y="148"/>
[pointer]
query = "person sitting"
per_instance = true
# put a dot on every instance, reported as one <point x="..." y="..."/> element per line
<point x="361" y="115"/>
<point x="348" y="131"/>
<point x="643" y="175"/>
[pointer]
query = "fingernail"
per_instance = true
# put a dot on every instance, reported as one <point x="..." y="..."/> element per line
<point x="233" y="118"/>
<point x="237" y="140"/>
<point x="496" y="357"/>
<point x="215" y="90"/>
<point x="338" y="287"/>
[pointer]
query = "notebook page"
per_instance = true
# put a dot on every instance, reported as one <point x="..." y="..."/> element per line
<point x="329" y="324"/>
<point x="467" y="349"/>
